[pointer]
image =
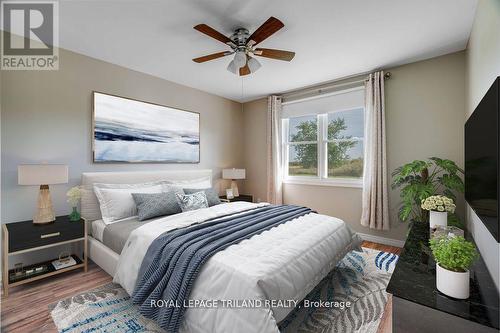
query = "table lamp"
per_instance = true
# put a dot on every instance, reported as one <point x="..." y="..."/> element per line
<point x="234" y="174"/>
<point x="43" y="175"/>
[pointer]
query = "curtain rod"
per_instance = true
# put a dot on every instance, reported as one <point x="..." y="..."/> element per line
<point x="319" y="89"/>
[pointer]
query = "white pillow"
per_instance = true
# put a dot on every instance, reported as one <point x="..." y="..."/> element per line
<point x="199" y="183"/>
<point x="116" y="202"/>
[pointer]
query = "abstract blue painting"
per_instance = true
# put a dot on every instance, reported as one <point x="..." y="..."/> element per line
<point x="127" y="130"/>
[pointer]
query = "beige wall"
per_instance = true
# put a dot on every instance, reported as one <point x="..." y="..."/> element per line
<point x="482" y="67"/>
<point x="255" y="153"/>
<point x="483" y="52"/>
<point x="425" y="114"/>
<point x="46" y="116"/>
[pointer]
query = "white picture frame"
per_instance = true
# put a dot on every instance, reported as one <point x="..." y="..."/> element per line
<point x="229" y="193"/>
<point x="126" y="130"/>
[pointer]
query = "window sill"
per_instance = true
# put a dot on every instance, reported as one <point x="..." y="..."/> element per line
<point x="345" y="182"/>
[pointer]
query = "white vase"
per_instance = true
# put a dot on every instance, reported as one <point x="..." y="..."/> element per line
<point x="454" y="284"/>
<point x="438" y="219"/>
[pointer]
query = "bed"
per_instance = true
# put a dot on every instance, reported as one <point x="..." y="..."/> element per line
<point x="278" y="267"/>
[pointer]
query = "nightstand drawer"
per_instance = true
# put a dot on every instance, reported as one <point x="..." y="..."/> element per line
<point x="26" y="235"/>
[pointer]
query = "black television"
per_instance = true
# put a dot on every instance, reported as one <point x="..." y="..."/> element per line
<point x="482" y="144"/>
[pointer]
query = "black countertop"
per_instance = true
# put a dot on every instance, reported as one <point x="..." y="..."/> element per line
<point x="414" y="279"/>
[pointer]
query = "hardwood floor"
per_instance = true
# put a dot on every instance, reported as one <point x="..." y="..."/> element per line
<point x="382" y="247"/>
<point x="26" y="308"/>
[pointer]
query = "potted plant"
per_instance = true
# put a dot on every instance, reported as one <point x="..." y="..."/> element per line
<point x="454" y="256"/>
<point x="74" y="195"/>
<point x="438" y="206"/>
<point x="419" y="179"/>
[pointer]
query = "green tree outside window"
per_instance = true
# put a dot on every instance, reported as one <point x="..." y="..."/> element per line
<point x="340" y="163"/>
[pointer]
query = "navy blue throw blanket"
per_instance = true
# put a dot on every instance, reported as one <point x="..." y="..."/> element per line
<point x="173" y="260"/>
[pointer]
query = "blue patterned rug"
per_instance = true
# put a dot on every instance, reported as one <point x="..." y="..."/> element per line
<point x="353" y="296"/>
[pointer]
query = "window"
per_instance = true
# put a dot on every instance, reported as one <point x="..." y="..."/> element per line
<point x="345" y="144"/>
<point x="324" y="147"/>
<point x="303" y="146"/>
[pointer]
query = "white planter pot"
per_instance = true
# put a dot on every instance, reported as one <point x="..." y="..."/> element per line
<point x="438" y="219"/>
<point x="453" y="284"/>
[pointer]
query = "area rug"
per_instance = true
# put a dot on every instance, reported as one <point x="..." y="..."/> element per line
<point x="350" y="299"/>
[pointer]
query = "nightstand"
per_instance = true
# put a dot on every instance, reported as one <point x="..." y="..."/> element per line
<point x="23" y="237"/>
<point x="242" y="197"/>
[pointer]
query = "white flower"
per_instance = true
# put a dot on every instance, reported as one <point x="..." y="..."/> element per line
<point x="438" y="203"/>
<point x="74" y="195"/>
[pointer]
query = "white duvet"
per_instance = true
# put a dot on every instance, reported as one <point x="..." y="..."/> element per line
<point x="281" y="264"/>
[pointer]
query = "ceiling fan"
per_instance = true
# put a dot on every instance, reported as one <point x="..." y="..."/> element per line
<point x="243" y="44"/>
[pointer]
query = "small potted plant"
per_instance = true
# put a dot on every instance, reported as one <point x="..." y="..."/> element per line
<point x="454" y="255"/>
<point x="439" y="207"/>
<point x="74" y="195"/>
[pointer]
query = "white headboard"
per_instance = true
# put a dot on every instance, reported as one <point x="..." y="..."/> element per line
<point x="90" y="205"/>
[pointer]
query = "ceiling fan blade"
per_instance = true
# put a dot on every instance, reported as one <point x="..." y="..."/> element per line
<point x="265" y="30"/>
<point x="205" y="29"/>
<point x="275" y="54"/>
<point x="211" y="56"/>
<point x="245" y="70"/>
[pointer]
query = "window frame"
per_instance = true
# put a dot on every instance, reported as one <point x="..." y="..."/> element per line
<point x="322" y="142"/>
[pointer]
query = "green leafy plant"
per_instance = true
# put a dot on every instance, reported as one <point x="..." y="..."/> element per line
<point x="453" y="253"/>
<point x="419" y="180"/>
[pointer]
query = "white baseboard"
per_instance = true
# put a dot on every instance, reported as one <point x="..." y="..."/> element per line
<point x="382" y="240"/>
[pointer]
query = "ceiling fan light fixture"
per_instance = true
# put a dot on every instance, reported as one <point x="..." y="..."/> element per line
<point x="232" y="67"/>
<point x="243" y="44"/>
<point x="240" y="59"/>
<point x="253" y="65"/>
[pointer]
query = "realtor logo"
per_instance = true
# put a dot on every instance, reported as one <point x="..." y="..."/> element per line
<point x="30" y="35"/>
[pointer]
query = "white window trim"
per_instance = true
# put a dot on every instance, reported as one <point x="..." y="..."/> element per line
<point x="316" y="181"/>
<point x="322" y="179"/>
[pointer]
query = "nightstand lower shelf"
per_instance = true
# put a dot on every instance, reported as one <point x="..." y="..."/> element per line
<point x="50" y="271"/>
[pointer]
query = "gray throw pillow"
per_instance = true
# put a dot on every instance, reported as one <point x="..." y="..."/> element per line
<point x="212" y="196"/>
<point x="193" y="201"/>
<point x="151" y="205"/>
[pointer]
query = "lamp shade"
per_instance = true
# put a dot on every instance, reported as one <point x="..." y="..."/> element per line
<point x="42" y="174"/>
<point x="253" y="65"/>
<point x="232" y="67"/>
<point x="240" y="59"/>
<point x="233" y="173"/>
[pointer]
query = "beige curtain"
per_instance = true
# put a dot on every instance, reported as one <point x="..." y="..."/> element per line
<point x="274" y="167"/>
<point x="375" y="194"/>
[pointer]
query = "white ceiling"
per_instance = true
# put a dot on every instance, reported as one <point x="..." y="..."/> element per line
<point x="331" y="38"/>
